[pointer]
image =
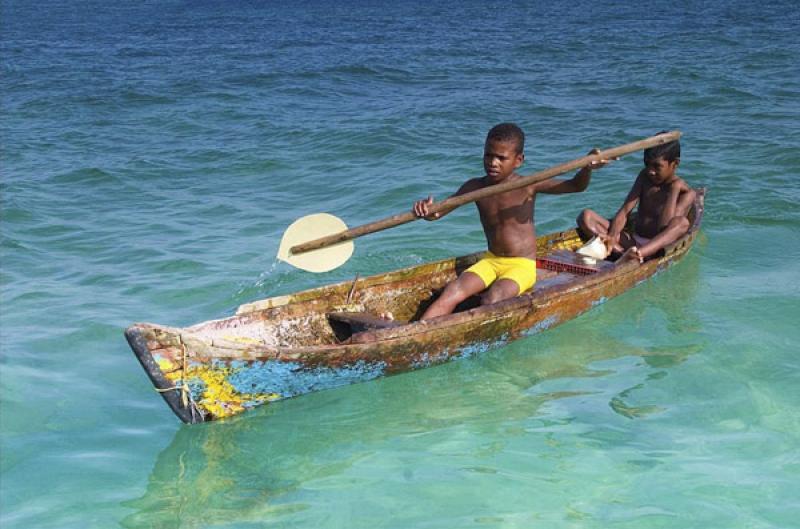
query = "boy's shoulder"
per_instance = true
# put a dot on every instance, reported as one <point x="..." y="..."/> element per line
<point x="473" y="184"/>
<point x="681" y="182"/>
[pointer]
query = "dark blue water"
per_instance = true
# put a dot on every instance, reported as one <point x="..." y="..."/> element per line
<point x="153" y="154"/>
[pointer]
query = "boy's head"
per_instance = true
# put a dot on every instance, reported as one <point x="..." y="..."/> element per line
<point x="508" y="132"/>
<point x="502" y="153"/>
<point x="662" y="160"/>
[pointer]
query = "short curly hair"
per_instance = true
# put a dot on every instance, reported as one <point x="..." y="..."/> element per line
<point x="670" y="151"/>
<point x="508" y="132"/>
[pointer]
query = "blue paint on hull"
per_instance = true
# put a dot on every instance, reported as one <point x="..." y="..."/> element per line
<point x="541" y="326"/>
<point x="599" y="301"/>
<point x="289" y="379"/>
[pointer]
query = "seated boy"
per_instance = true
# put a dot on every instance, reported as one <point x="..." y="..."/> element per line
<point x="664" y="200"/>
<point x="509" y="267"/>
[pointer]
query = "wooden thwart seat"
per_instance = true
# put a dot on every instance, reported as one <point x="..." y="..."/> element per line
<point x="553" y="280"/>
<point x="362" y="321"/>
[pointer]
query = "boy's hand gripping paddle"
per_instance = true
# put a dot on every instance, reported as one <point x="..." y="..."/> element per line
<point x="322" y="242"/>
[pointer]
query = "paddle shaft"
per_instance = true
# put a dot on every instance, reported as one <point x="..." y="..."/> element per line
<point x="460" y="200"/>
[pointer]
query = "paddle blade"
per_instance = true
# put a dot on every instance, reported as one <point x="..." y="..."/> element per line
<point x="313" y="227"/>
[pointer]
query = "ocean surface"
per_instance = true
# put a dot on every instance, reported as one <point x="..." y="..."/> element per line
<point x="153" y="153"/>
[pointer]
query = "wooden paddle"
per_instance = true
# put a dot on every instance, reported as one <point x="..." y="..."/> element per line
<point x="322" y="242"/>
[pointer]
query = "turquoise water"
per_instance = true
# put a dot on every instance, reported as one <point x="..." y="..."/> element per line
<point x="154" y="153"/>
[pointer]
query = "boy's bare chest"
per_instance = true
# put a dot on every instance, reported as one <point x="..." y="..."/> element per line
<point x="653" y="197"/>
<point x="507" y="205"/>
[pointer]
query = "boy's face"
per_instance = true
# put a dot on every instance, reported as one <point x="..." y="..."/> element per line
<point x="501" y="159"/>
<point x="659" y="170"/>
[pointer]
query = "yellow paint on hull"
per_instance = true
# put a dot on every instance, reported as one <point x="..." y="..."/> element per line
<point x="219" y="397"/>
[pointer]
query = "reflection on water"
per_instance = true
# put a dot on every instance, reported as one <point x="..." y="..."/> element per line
<point x="259" y="465"/>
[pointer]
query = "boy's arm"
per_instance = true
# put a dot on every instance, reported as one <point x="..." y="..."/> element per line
<point x="621" y="218"/>
<point x="576" y="184"/>
<point x="680" y="200"/>
<point x="420" y="207"/>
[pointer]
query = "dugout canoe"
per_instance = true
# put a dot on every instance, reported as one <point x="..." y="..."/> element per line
<point x="333" y="335"/>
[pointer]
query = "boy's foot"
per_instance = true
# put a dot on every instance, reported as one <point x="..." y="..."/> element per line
<point x="631" y="254"/>
<point x="386" y="316"/>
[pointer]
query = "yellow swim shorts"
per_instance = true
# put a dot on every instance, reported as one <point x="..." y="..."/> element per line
<point x="520" y="270"/>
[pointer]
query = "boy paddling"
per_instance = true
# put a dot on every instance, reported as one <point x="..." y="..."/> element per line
<point x="509" y="267"/>
<point x="664" y="200"/>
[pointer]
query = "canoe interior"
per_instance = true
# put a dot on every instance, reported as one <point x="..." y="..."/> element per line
<point x="308" y="318"/>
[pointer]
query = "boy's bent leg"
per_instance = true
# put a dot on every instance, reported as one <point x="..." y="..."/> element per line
<point x="500" y="290"/>
<point x="592" y="223"/>
<point x="675" y="229"/>
<point x="466" y="285"/>
<point x="518" y="275"/>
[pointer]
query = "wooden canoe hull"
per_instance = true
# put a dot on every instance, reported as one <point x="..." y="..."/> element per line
<point x="286" y="346"/>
